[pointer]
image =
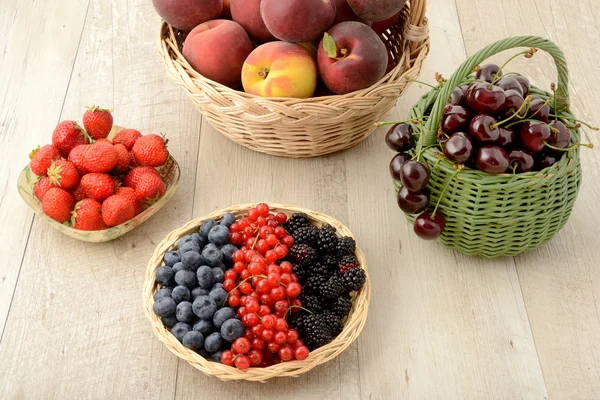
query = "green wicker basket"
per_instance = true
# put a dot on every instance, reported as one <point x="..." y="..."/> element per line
<point x="499" y="215"/>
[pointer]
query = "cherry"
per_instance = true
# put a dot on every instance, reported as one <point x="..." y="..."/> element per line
<point x="507" y="138"/>
<point x="492" y="159"/>
<point x="487" y="72"/>
<point x="396" y="164"/>
<point x="548" y="159"/>
<point x="429" y="228"/>
<point x="562" y="138"/>
<point x="457" y="97"/>
<point x="413" y="203"/>
<point x="523" y="160"/>
<point x="459" y="148"/>
<point x="513" y="104"/>
<point x="510" y="83"/>
<point x="414" y="175"/>
<point x="480" y="129"/>
<point x="455" y="118"/>
<point x="524" y="82"/>
<point x="486" y="100"/>
<point x="538" y="109"/>
<point x="399" y="137"/>
<point x="533" y="134"/>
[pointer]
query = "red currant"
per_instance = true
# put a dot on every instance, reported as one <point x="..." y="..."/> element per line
<point x="288" y="241"/>
<point x="227" y="357"/>
<point x="264" y="310"/>
<point x="273" y="269"/>
<point x="265" y="231"/>
<point x="245" y="274"/>
<point x="241" y="346"/>
<point x="273" y="279"/>
<point x="253" y="214"/>
<point x="236" y="238"/>
<point x="242" y="362"/>
<point x="286" y="267"/>
<point x="251" y="320"/>
<point x="263" y="209"/>
<point x="262" y="246"/>
<point x="258" y="344"/>
<point x="252" y="305"/>
<point x="233" y="227"/>
<point x="242" y="311"/>
<point x="250" y="242"/>
<point x="257" y="330"/>
<point x="255" y="280"/>
<point x="267" y="334"/>
<point x="231" y="274"/>
<point x="301" y="353"/>
<point x="280" y="232"/>
<point x="248" y="231"/>
<point x="286" y="354"/>
<point x="261" y="221"/>
<point x="272" y="240"/>
<point x="248" y="334"/>
<point x="294" y="277"/>
<point x="242" y="224"/>
<point x="267" y="300"/>
<point x="255" y="268"/>
<point x="280" y="325"/>
<point x="239" y="266"/>
<point x="263" y="286"/>
<point x="271" y="256"/>
<point x="292" y="336"/>
<point x="238" y="256"/>
<point x="273" y="347"/>
<point x="281" y="218"/>
<point x="293" y="289"/>
<point x="286" y="278"/>
<point x="228" y="284"/>
<point x="296" y="303"/>
<point x="281" y="250"/>
<point x="281" y="307"/>
<point x="268" y="321"/>
<point x="251" y="255"/>
<point x="273" y="224"/>
<point x="234" y="301"/>
<point x="278" y="293"/>
<point x="246" y="287"/>
<point x="255" y="357"/>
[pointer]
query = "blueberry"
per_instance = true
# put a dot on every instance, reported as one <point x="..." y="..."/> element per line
<point x="184" y="312"/>
<point x="186" y="278"/>
<point x="214" y="342"/>
<point x="181" y="293"/>
<point x="205" y="277"/>
<point x="222" y="267"/>
<point x="164" y="276"/>
<point x="188" y="244"/>
<point x="216" y="357"/>
<point x="223" y="315"/>
<point x="212" y="255"/>
<point x="205" y="327"/>
<point x="217" y="285"/>
<point x="178" y="267"/>
<point x="165" y="306"/>
<point x="228" y="251"/>
<point x="164" y="292"/>
<point x="193" y="340"/>
<point x="218" y="274"/>
<point x="197" y="292"/>
<point x="171" y="257"/>
<point x="180" y="329"/>
<point x="232" y="329"/>
<point x="219" y="235"/>
<point x="218" y="295"/>
<point x="169" y="321"/>
<point x="227" y="219"/>
<point x="207" y="226"/>
<point x="192" y="260"/>
<point x="204" y="307"/>
<point x="201" y="239"/>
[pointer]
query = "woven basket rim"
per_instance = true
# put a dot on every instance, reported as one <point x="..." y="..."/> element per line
<point x="352" y="327"/>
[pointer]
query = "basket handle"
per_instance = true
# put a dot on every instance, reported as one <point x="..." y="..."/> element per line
<point x="429" y="136"/>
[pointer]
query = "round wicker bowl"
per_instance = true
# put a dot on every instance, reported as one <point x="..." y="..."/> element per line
<point x="352" y="326"/>
<point x="303" y="127"/>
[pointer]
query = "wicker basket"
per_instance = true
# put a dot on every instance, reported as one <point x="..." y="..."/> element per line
<point x="352" y="327"/>
<point x="303" y="127"/>
<point x="499" y="215"/>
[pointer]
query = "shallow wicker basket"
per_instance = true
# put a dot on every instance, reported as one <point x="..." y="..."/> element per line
<point x="303" y="127"/>
<point x="499" y="215"/>
<point x="352" y="326"/>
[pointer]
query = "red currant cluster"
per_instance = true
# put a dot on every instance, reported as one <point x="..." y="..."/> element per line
<point x="264" y="291"/>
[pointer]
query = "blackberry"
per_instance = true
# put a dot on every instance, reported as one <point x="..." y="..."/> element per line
<point x="315" y="332"/>
<point x="354" y="279"/>
<point x="303" y="254"/>
<point x="306" y="235"/>
<point x="333" y="322"/>
<point x="331" y="262"/>
<point x="314" y="283"/>
<point x="342" y="306"/>
<point x="319" y="268"/>
<point x="347" y="263"/>
<point x="345" y="246"/>
<point x="296" y="221"/>
<point x="302" y="272"/>
<point x="326" y="239"/>
<point x="312" y="303"/>
<point x="333" y="288"/>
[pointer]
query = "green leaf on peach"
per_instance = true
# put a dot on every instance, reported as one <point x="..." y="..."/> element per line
<point x="329" y="45"/>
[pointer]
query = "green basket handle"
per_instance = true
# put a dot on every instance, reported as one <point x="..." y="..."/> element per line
<point x="429" y="136"/>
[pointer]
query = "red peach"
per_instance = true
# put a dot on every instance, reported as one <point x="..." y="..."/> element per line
<point x="187" y="14"/>
<point x="247" y="14"/>
<point x="344" y="13"/>
<point x="376" y="10"/>
<point x="382" y="26"/>
<point x="297" y="20"/>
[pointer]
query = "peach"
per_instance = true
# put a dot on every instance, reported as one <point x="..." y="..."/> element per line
<point x="376" y="10"/>
<point x="280" y="69"/>
<point x="382" y="26"/>
<point x="226" y="14"/>
<point x="247" y="14"/>
<point x="187" y="14"/>
<point x="344" y="13"/>
<point x="298" y="20"/>
<point x="351" y="57"/>
<point x="217" y="50"/>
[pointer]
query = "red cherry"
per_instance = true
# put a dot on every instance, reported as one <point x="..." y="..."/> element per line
<point x="457" y="97"/>
<point x="459" y="148"/>
<point x="428" y="228"/>
<point x="455" y="118"/>
<point x="513" y="103"/>
<point x="399" y="137"/>
<point x="562" y="137"/>
<point x="487" y="72"/>
<point x="492" y="159"/>
<point x="414" y="175"/>
<point x="486" y="100"/>
<point x="396" y="164"/>
<point x="533" y="134"/>
<point x="413" y="203"/>
<point x="524" y="82"/>
<point x="480" y="129"/>
<point x="508" y="82"/>
<point x="539" y="109"/>
<point x="523" y="160"/>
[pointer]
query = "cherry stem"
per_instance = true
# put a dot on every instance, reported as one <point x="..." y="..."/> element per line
<point x="300" y="307"/>
<point x="575" y="120"/>
<point x="515" y="166"/>
<point x="417" y="121"/>
<point x="444" y="192"/>
<point x="526" y="104"/>
<point x="421" y="151"/>
<point x="576" y="145"/>
<point x="496" y="76"/>
<point x="423" y="83"/>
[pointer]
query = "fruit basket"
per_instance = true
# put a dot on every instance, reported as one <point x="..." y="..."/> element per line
<point x="303" y="127"/>
<point x="352" y="327"/>
<point x="503" y="214"/>
<point x="169" y="172"/>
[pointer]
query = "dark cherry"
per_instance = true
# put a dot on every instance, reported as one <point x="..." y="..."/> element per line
<point x="538" y="109"/>
<point x="533" y="134"/>
<point x="513" y="103"/>
<point x="562" y="138"/>
<point x="523" y="159"/>
<point x="485" y="100"/>
<point x="492" y="159"/>
<point x="455" y="118"/>
<point x="399" y="137"/>
<point x="487" y="72"/>
<point x="414" y="175"/>
<point x="396" y="164"/>
<point x="524" y="82"/>
<point x="428" y="228"/>
<point x="469" y="89"/>
<point x="548" y="159"/>
<point x="508" y="82"/>
<point x="480" y="130"/>
<point x="457" y="97"/>
<point x="507" y="138"/>
<point x="413" y="203"/>
<point x="459" y="148"/>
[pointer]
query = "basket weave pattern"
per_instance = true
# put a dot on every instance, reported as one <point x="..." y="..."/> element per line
<point x="352" y="326"/>
<point x="303" y="127"/>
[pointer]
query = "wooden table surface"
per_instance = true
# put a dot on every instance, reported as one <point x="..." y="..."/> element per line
<point x="441" y="325"/>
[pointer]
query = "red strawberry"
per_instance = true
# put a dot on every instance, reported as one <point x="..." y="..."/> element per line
<point x="67" y="135"/>
<point x="132" y="178"/>
<point x="41" y="187"/>
<point x="76" y="156"/>
<point x="62" y="173"/>
<point x="78" y="193"/>
<point x="127" y="137"/>
<point x="58" y="204"/>
<point x="149" y="188"/>
<point x="41" y="158"/>
<point x="87" y="216"/>
<point x="132" y="161"/>
<point x="117" y="210"/>
<point x="150" y="150"/>
<point x="130" y="193"/>
<point x="98" y="186"/>
<point x="97" y="122"/>
<point x="100" y="157"/>
<point x="123" y="164"/>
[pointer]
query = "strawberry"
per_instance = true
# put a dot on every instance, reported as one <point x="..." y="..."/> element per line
<point x="149" y="188"/>
<point x="97" y="122"/>
<point x="41" y="187"/>
<point x="76" y="156"/>
<point x="98" y="186"/>
<point x="132" y="161"/>
<point x="132" y="178"/>
<point x="150" y="150"/>
<point x="41" y="158"/>
<point x="62" y="173"/>
<point x="130" y="192"/>
<point x="67" y="135"/>
<point x="58" y="204"/>
<point x="100" y="157"/>
<point x="123" y="160"/>
<point x="87" y="216"/>
<point x="78" y="193"/>
<point x="117" y="210"/>
<point x="127" y="137"/>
